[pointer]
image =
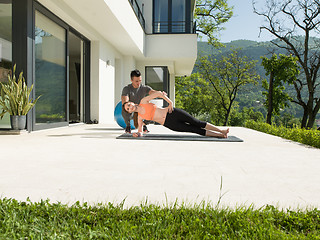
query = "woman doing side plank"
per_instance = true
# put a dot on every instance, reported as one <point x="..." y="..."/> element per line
<point x="173" y="118"/>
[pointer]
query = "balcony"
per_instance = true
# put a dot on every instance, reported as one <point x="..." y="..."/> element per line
<point x="174" y="27"/>
<point x="138" y="12"/>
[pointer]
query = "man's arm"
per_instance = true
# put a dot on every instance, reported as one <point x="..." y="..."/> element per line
<point x="125" y="95"/>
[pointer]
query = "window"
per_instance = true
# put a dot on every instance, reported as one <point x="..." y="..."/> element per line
<point x="5" y="49"/>
<point x="172" y="16"/>
<point x="178" y="16"/>
<point x="158" y="79"/>
<point x="160" y="16"/>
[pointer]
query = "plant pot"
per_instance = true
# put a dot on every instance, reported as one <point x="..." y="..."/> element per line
<point x="18" y="122"/>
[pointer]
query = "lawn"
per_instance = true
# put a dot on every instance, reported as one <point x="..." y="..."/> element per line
<point x="45" y="220"/>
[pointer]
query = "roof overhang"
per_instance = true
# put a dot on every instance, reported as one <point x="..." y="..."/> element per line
<point x="114" y="21"/>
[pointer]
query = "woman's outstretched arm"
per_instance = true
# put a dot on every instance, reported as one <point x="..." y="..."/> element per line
<point x="157" y="94"/>
<point x="153" y="95"/>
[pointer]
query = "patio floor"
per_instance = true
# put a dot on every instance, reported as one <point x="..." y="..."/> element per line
<point x="87" y="163"/>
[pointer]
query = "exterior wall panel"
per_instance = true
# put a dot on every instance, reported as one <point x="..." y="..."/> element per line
<point x="180" y="48"/>
<point x="118" y="44"/>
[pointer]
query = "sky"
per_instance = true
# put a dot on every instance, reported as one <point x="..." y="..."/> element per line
<point x="244" y="24"/>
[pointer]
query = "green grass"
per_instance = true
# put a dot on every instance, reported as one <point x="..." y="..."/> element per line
<point x="309" y="137"/>
<point x="45" y="220"/>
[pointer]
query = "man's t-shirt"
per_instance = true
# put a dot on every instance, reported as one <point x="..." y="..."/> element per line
<point x="135" y="94"/>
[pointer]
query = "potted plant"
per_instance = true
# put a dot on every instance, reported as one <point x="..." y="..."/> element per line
<point x="15" y="100"/>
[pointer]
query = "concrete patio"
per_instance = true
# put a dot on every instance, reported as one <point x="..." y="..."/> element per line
<point x="87" y="163"/>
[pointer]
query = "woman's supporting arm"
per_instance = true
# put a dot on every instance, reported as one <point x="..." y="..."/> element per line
<point x="140" y="131"/>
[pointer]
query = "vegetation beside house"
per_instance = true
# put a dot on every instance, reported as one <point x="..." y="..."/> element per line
<point x="307" y="137"/>
<point x="250" y="101"/>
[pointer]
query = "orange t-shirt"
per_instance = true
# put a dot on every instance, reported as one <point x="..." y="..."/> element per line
<point x="149" y="110"/>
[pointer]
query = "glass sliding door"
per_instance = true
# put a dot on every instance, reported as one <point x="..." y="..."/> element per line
<point x="76" y="76"/>
<point x="160" y="16"/>
<point x="79" y="77"/>
<point x="5" y="49"/>
<point x="172" y="16"/>
<point x="50" y="73"/>
<point x="178" y="16"/>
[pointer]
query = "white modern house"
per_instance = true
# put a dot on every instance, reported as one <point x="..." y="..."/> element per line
<point x="79" y="53"/>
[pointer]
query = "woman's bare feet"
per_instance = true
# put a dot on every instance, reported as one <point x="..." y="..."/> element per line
<point x="217" y="134"/>
<point x="225" y="133"/>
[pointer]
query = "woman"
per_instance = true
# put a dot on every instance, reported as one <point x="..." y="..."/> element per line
<point x="173" y="118"/>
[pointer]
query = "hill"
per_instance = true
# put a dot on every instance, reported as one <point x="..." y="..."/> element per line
<point x="252" y="95"/>
<point x="252" y="49"/>
<point x="205" y="48"/>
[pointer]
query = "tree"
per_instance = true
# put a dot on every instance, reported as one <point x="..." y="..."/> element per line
<point x="286" y="20"/>
<point x="281" y="70"/>
<point x="193" y="94"/>
<point x="227" y="76"/>
<point x="210" y="15"/>
<point x="238" y="118"/>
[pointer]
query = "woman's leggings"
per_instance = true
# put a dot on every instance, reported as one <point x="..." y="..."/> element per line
<point x="181" y="121"/>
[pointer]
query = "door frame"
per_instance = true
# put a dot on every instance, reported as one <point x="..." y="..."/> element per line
<point x="86" y="75"/>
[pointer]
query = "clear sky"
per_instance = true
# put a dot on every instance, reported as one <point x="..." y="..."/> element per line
<point x="244" y="24"/>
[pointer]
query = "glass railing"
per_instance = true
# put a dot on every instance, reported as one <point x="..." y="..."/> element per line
<point x="174" y="27"/>
<point x="138" y="12"/>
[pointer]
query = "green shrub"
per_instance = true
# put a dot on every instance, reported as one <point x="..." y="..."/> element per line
<point x="15" y="96"/>
<point x="309" y="137"/>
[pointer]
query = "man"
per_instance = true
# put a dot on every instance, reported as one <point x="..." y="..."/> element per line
<point x="134" y="92"/>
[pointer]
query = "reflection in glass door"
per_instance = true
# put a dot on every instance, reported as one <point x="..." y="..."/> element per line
<point x="158" y="79"/>
<point x="5" y="50"/>
<point x="50" y="72"/>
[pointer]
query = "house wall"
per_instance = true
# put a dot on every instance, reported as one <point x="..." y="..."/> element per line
<point x="110" y="72"/>
<point x="126" y="34"/>
<point x="148" y="15"/>
<point x="118" y="45"/>
<point x="106" y="84"/>
<point x="110" y="68"/>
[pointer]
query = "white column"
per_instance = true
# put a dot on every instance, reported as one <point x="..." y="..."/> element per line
<point x="106" y="84"/>
<point x="94" y="80"/>
<point x="102" y="82"/>
<point x="172" y="87"/>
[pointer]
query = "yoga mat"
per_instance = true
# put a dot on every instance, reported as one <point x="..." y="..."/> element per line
<point x="179" y="137"/>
